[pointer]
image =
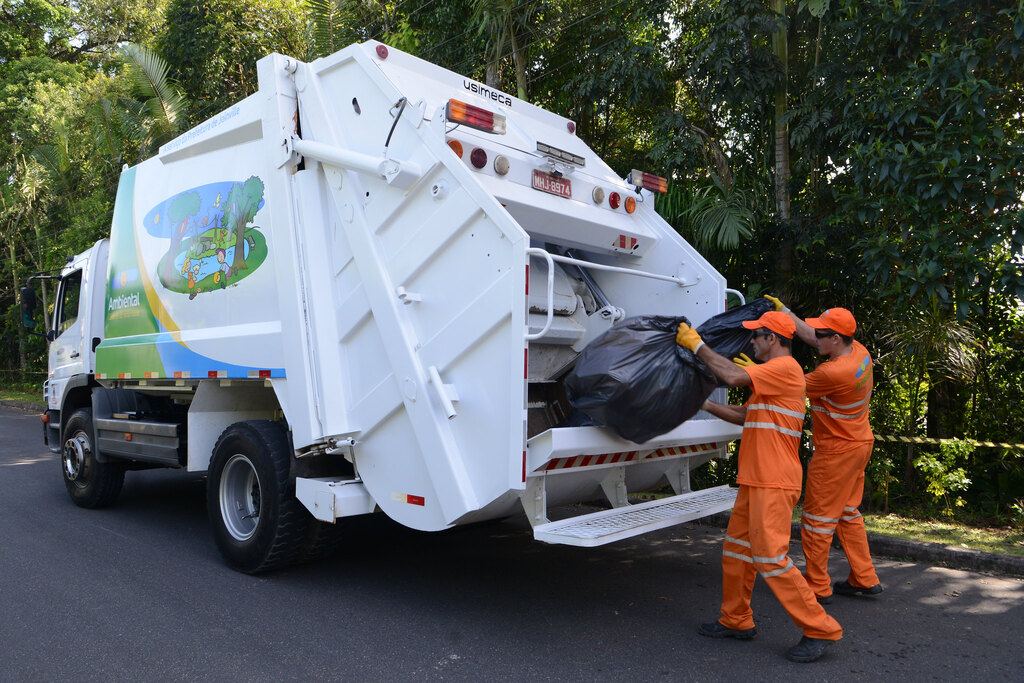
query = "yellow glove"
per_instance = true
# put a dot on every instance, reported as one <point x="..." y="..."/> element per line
<point x="688" y="337"/>
<point x="743" y="361"/>
<point x="779" y="306"/>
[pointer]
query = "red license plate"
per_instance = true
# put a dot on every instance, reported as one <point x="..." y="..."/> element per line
<point x="546" y="182"/>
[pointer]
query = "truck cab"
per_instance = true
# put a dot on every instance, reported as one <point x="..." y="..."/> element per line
<point x="77" y="329"/>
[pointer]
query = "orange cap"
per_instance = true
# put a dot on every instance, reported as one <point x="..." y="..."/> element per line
<point x="776" y="321"/>
<point x="837" y="319"/>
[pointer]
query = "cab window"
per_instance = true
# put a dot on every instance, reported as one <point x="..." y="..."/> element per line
<point x="70" y="295"/>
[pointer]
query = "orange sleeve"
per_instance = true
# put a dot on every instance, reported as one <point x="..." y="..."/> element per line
<point x="821" y="380"/>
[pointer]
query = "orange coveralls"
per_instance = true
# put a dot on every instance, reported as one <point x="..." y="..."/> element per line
<point x="757" y="540"/>
<point x="840" y="394"/>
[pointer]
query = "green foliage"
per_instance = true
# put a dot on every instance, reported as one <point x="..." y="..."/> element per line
<point x="212" y="47"/>
<point x="944" y="472"/>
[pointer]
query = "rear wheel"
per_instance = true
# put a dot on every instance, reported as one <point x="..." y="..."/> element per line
<point x="258" y="523"/>
<point x="90" y="483"/>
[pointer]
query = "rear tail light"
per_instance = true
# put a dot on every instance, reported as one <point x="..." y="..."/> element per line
<point x="478" y="158"/>
<point x="475" y="117"/>
<point x="456" y="147"/>
<point x="630" y="204"/>
<point x="598" y="195"/>
<point x="501" y="165"/>
<point x="614" y="200"/>
<point x="648" y="181"/>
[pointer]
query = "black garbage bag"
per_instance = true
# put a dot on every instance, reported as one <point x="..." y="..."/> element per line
<point x="725" y="332"/>
<point x="637" y="381"/>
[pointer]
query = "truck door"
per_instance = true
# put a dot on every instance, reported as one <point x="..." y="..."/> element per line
<point x="67" y="357"/>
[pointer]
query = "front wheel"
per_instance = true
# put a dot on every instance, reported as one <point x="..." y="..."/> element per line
<point x="258" y="523"/>
<point x="90" y="483"/>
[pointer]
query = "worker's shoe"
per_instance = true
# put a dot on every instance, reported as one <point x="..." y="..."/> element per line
<point x="824" y="599"/>
<point x="717" y="630"/>
<point x="807" y="650"/>
<point x="847" y="588"/>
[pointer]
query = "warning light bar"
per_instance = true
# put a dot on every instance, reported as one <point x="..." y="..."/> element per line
<point x="648" y="181"/>
<point x="475" y="117"/>
<point x="560" y="154"/>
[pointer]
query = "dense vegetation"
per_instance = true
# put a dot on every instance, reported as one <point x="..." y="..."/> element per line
<point x="864" y="153"/>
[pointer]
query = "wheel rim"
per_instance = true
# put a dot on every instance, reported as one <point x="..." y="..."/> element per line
<point x="240" y="497"/>
<point x="76" y="450"/>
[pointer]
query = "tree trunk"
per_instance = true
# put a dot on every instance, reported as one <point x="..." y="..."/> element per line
<point x="519" y="58"/>
<point x="22" y="362"/>
<point x="779" y="40"/>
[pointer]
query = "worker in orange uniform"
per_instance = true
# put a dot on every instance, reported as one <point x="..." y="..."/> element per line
<point x="840" y="394"/>
<point x="769" y="478"/>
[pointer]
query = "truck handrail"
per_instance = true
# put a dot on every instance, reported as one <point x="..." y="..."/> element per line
<point x="551" y="258"/>
<point x="551" y="292"/>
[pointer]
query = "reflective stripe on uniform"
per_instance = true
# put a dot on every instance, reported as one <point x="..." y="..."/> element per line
<point x="850" y="517"/>
<point x="770" y="560"/>
<point x="775" y="427"/>
<point x="847" y="406"/>
<point x="816" y="518"/>
<point x="775" y="409"/>
<point x="729" y="553"/>
<point x="730" y="539"/>
<point x="819" y="530"/>
<point x="768" y="575"/>
<point x="838" y="416"/>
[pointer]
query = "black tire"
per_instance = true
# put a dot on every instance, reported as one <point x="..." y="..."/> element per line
<point x="258" y="523"/>
<point x="322" y="540"/>
<point x="90" y="483"/>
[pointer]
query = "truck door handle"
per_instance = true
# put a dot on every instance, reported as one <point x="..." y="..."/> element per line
<point x="73" y="354"/>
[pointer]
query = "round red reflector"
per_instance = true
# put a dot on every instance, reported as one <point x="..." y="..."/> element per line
<point x="456" y="147"/>
<point x="630" y="205"/>
<point x="478" y="158"/>
<point x="572" y="127"/>
<point x="614" y="200"/>
<point x="382" y="51"/>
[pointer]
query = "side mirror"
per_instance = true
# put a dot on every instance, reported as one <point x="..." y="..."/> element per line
<point x="28" y="307"/>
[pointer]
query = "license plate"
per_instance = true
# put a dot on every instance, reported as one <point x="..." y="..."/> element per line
<point x="546" y="182"/>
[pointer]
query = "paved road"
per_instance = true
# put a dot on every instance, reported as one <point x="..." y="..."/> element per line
<point x="138" y="591"/>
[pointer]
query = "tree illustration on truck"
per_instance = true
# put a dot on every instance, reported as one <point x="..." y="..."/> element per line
<point x="212" y="244"/>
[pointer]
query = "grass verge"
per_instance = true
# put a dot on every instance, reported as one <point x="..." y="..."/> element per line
<point x="1002" y="541"/>
<point x="26" y="394"/>
<point x="987" y="539"/>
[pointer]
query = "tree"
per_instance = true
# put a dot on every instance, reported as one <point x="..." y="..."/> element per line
<point x="212" y="47"/>
<point x="240" y="208"/>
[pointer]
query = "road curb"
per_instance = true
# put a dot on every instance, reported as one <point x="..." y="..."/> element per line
<point x="921" y="551"/>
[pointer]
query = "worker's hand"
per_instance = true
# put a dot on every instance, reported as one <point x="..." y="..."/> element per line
<point x="688" y="337"/>
<point x="779" y="306"/>
<point x="743" y="361"/>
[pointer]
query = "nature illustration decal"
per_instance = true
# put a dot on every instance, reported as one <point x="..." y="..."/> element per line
<point x="212" y="244"/>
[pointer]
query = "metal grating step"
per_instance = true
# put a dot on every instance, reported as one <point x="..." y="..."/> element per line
<point x="607" y="526"/>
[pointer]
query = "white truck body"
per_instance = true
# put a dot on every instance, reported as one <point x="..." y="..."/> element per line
<point x="320" y="255"/>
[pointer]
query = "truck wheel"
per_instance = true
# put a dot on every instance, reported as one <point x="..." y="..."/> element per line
<point x="322" y="541"/>
<point x="258" y="523"/>
<point x="90" y="483"/>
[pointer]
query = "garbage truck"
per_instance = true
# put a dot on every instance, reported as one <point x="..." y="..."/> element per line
<point x="357" y="291"/>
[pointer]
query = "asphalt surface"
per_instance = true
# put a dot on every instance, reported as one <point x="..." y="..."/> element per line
<point x="138" y="591"/>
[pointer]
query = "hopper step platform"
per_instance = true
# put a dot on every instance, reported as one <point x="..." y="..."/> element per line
<point x="606" y="526"/>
